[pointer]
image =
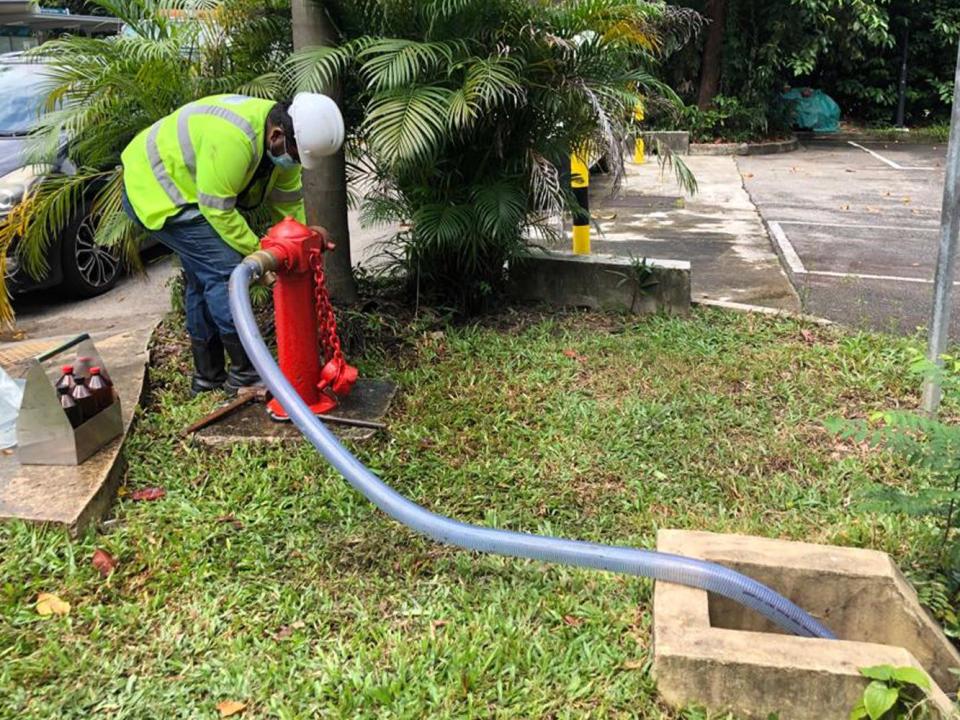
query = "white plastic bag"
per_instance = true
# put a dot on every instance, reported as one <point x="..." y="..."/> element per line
<point x="11" y="394"/>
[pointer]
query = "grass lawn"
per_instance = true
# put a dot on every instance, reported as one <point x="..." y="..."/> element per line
<point x="261" y="577"/>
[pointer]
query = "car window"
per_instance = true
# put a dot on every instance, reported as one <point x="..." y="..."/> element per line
<point x="22" y="92"/>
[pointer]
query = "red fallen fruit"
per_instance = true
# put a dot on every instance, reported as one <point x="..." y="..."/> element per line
<point x="150" y="493"/>
<point x="104" y="562"/>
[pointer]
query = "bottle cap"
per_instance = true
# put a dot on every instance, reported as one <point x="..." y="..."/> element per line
<point x="67" y="369"/>
<point x="94" y="370"/>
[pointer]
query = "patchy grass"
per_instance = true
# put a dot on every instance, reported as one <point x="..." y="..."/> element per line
<point x="262" y="577"/>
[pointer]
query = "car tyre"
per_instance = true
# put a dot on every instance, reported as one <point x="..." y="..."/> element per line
<point x="89" y="269"/>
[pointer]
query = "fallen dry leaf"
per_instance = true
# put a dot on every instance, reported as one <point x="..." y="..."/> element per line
<point x="633" y="665"/>
<point x="808" y="337"/>
<point x="146" y="494"/>
<point x="230" y="707"/>
<point x="237" y="525"/>
<point x="572" y="621"/>
<point x="104" y="562"/>
<point x="50" y="604"/>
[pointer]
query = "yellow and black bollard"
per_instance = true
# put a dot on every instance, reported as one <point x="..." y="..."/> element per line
<point x="580" y="183"/>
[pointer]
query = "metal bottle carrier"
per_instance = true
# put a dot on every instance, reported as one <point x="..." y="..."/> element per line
<point x="44" y="433"/>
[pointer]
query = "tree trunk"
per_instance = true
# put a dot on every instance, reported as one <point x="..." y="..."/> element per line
<point x="325" y="188"/>
<point x="716" y="11"/>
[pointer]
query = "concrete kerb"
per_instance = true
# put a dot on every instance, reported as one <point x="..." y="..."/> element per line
<point x="764" y="148"/>
<point x="711" y="651"/>
<point x="763" y="310"/>
<point x="602" y="282"/>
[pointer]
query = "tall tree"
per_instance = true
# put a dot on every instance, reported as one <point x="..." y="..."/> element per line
<point x="712" y="52"/>
<point x="325" y="188"/>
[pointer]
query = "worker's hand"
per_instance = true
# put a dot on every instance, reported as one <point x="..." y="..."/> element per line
<point x="325" y="243"/>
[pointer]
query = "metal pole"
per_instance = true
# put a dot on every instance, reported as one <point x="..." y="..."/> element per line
<point x="902" y="99"/>
<point x="949" y="232"/>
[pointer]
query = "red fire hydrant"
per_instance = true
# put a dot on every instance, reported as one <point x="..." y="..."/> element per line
<point x="308" y="346"/>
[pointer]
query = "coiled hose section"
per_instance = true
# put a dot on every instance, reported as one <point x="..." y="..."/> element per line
<point x="645" y="563"/>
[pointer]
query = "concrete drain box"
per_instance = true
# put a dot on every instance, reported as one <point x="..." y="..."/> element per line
<point x="711" y="651"/>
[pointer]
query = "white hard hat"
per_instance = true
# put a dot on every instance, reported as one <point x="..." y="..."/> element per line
<point x="317" y="127"/>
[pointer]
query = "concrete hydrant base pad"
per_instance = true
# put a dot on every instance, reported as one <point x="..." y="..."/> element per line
<point x="369" y="400"/>
<point x="710" y="651"/>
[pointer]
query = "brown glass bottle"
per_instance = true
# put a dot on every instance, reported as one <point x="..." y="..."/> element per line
<point x="70" y="407"/>
<point x="99" y="386"/>
<point x="66" y="381"/>
<point x="85" y="400"/>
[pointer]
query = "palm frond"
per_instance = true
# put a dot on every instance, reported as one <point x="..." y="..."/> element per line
<point x="271" y="86"/>
<point x="387" y="63"/>
<point x="407" y="123"/>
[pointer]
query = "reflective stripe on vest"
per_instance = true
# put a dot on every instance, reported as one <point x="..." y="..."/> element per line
<point x="189" y="154"/>
<point x="183" y="131"/>
<point x="215" y="202"/>
<point x="159" y="171"/>
<point x="286" y="196"/>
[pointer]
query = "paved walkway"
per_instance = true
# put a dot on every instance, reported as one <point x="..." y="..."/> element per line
<point x="719" y="231"/>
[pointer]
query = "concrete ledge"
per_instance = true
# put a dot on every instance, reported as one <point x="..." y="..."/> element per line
<point x="763" y="148"/>
<point x="710" y="651"/>
<point x="602" y="282"/>
<point x="677" y="141"/>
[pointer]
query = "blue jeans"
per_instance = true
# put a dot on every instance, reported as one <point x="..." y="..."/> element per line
<point x="207" y="263"/>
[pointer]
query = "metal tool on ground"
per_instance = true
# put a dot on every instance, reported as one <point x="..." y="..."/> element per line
<point x="248" y="396"/>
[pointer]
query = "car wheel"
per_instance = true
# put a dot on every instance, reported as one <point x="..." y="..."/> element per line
<point x="89" y="269"/>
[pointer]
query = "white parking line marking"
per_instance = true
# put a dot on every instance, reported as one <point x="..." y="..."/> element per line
<point x="908" y="228"/>
<point x="881" y="158"/>
<point x="796" y="264"/>
<point x="865" y="276"/>
<point x="787" y="249"/>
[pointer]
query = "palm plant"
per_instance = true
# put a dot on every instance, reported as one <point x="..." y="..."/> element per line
<point x="465" y="113"/>
<point x="102" y="92"/>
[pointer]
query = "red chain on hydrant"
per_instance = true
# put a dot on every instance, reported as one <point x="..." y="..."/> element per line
<point x="308" y="347"/>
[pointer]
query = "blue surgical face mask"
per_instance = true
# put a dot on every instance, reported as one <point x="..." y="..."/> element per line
<point x="284" y="161"/>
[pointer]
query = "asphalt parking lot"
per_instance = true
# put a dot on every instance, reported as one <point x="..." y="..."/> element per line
<point x="856" y="225"/>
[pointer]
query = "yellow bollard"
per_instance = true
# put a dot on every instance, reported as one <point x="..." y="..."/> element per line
<point x="639" y="149"/>
<point x="580" y="183"/>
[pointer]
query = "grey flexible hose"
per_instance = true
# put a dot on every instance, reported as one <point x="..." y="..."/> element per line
<point x="645" y="563"/>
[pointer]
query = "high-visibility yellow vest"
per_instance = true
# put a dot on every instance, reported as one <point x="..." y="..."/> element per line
<point x="206" y="155"/>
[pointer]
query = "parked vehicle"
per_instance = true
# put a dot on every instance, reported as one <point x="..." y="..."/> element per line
<point x="77" y="264"/>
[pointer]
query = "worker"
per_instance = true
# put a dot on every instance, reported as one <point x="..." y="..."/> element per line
<point x="187" y="177"/>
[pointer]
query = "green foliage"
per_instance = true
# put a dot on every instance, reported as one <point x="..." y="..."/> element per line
<point x="895" y="693"/>
<point x="103" y="91"/>
<point x="933" y="447"/>
<point x="465" y="113"/>
<point x="729" y="119"/>
<point x="851" y="49"/>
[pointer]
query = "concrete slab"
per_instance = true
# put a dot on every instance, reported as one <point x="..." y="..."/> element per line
<point x="710" y="651"/>
<point x="718" y="230"/>
<point x="370" y="400"/>
<point x="76" y="496"/>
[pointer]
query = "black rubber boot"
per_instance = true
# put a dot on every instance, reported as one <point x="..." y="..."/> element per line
<point x="208" y="365"/>
<point x="242" y="373"/>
